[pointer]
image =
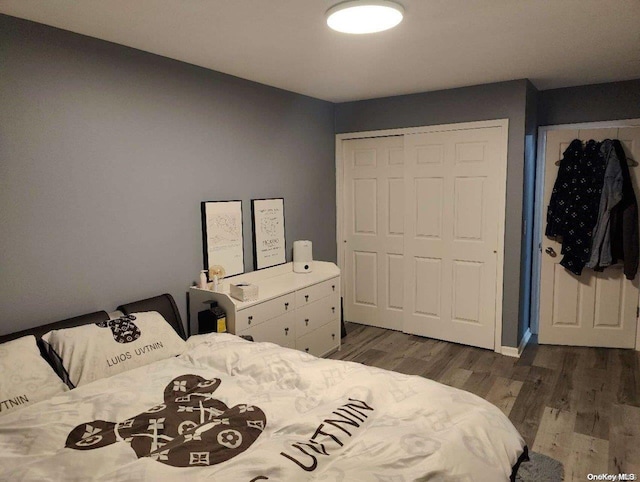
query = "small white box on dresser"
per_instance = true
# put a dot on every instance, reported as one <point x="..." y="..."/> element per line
<point x="244" y="291"/>
<point x="296" y="310"/>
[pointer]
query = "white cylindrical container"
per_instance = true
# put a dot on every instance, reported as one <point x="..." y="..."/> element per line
<point x="302" y="256"/>
<point x="202" y="284"/>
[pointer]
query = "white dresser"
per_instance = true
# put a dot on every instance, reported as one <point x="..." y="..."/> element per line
<point x="296" y="310"/>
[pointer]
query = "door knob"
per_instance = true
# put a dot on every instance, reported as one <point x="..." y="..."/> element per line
<point x="551" y="252"/>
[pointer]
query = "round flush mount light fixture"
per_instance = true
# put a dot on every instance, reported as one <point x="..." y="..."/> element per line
<point x="360" y="16"/>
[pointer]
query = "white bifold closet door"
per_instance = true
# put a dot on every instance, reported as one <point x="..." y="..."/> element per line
<point x="421" y="226"/>
<point x="374" y="230"/>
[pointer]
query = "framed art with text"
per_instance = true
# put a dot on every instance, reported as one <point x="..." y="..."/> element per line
<point x="269" y="246"/>
<point x="222" y="236"/>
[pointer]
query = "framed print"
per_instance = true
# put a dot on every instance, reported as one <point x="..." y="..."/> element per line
<point x="222" y="237"/>
<point x="269" y="247"/>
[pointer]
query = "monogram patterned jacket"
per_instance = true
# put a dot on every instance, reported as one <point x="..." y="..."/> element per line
<point x="573" y="208"/>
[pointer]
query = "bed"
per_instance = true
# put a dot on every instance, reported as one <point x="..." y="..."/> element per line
<point x="228" y="409"/>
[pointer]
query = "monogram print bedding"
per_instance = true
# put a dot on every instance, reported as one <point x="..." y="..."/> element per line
<point x="124" y="329"/>
<point x="228" y="409"/>
<point x="191" y="427"/>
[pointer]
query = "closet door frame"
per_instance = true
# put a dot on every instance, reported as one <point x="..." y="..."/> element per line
<point x="540" y="210"/>
<point x="504" y="125"/>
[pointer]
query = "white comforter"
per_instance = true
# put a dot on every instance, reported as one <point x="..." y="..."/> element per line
<point x="231" y="410"/>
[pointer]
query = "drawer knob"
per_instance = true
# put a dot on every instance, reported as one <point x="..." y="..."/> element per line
<point x="250" y="319"/>
<point x="333" y="309"/>
<point x="307" y="350"/>
<point x="333" y="336"/>
<point x="306" y="297"/>
<point x="286" y="331"/>
<point x="286" y="306"/>
<point x="333" y="287"/>
<point x="306" y="321"/>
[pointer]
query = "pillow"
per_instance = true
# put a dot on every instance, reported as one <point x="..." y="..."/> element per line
<point x="25" y="377"/>
<point x="98" y="350"/>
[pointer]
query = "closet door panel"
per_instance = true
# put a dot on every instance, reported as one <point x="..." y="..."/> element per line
<point x="374" y="224"/>
<point x="453" y="195"/>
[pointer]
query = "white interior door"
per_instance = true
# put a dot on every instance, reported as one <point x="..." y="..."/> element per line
<point x="454" y="204"/>
<point x="593" y="309"/>
<point x="373" y="230"/>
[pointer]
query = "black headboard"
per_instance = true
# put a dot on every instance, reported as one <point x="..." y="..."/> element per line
<point x="38" y="331"/>
<point x="163" y="304"/>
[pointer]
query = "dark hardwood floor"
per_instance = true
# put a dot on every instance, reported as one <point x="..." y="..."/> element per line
<point x="578" y="405"/>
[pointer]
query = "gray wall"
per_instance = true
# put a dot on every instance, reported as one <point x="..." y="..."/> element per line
<point x="590" y="103"/>
<point x="483" y="102"/>
<point x="105" y="155"/>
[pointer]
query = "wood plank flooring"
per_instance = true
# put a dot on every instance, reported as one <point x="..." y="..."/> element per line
<point x="578" y="405"/>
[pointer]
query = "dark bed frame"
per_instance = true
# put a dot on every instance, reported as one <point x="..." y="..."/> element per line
<point x="163" y="304"/>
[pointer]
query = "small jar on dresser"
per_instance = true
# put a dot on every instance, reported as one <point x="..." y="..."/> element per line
<point x="296" y="310"/>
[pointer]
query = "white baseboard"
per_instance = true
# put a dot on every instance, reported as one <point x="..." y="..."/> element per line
<point x="510" y="351"/>
<point x="516" y="352"/>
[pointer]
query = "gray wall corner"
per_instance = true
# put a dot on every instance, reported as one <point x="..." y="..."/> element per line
<point x="107" y="153"/>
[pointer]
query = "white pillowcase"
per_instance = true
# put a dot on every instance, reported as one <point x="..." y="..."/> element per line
<point x="99" y="350"/>
<point x="25" y="377"/>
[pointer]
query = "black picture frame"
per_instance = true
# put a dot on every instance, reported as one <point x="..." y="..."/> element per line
<point x="232" y="266"/>
<point x="260" y="261"/>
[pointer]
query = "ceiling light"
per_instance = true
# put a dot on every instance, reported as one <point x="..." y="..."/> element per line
<point x="361" y="16"/>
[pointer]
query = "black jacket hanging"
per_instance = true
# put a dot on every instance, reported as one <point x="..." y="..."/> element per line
<point x="573" y="208"/>
<point x="624" y="221"/>
<point x="582" y="214"/>
<point x="559" y="203"/>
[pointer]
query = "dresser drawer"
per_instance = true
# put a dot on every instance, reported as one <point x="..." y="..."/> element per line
<point x="280" y="330"/>
<point x="321" y="341"/>
<point x="317" y="291"/>
<point x="261" y="312"/>
<point x="316" y="314"/>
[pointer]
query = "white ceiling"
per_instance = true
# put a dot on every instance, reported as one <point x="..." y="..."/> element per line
<point x="441" y="43"/>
